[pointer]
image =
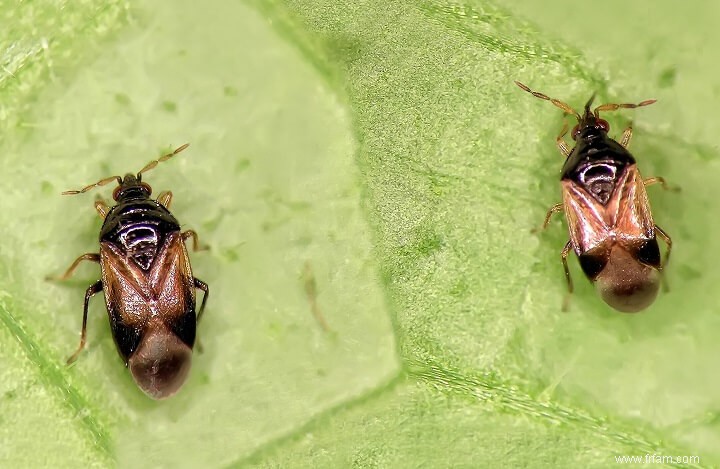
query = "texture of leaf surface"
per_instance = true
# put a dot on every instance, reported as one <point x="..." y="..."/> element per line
<point x="384" y="145"/>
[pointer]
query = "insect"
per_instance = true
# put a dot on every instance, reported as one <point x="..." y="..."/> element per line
<point x="147" y="281"/>
<point x="608" y="214"/>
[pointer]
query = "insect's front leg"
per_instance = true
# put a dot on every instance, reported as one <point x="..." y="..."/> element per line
<point x="560" y="141"/>
<point x="626" y="136"/>
<point x="101" y="207"/>
<point x="165" y="199"/>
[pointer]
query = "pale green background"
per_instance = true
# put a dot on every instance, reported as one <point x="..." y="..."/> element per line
<point x="385" y="144"/>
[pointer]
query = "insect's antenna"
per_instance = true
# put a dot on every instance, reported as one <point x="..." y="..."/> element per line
<point x="565" y="107"/>
<point x="154" y="163"/>
<point x="615" y="107"/>
<point x="101" y="182"/>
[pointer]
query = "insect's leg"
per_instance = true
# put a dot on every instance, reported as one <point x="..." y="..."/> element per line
<point x="554" y="209"/>
<point x="662" y="182"/>
<point x="668" y="242"/>
<point x="101" y="207"/>
<point x="200" y="285"/>
<point x="563" y="256"/>
<point x="90" y="256"/>
<point x="91" y="291"/>
<point x="560" y="141"/>
<point x="626" y="136"/>
<point x="165" y="198"/>
<point x="196" y="244"/>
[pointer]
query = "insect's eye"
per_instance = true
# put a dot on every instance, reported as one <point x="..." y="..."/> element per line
<point x="575" y="132"/>
<point x="116" y="192"/>
<point x="146" y="187"/>
<point x="603" y="124"/>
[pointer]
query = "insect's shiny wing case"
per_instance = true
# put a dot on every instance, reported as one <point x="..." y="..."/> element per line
<point x="127" y="297"/>
<point x="585" y="216"/>
<point x="633" y="219"/>
<point x="626" y="214"/>
<point x="171" y="280"/>
<point x="134" y="297"/>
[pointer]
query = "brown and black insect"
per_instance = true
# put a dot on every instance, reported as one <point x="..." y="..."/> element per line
<point x="148" y="283"/>
<point x="607" y="210"/>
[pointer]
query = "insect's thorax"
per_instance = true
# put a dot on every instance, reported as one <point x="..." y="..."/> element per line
<point x="596" y="164"/>
<point x="139" y="228"/>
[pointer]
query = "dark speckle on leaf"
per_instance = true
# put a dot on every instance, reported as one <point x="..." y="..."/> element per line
<point x="242" y="165"/>
<point x="230" y="254"/>
<point x="689" y="273"/>
<point x="667" y="77"/>
<point x="122" y="99"/>
<point x="169" y="106"/>
<point x="46" y="187"/>
<point x="428" y="243"/>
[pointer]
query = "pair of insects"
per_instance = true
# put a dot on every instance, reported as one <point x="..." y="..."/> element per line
<point x="148" y="283"/>
<point x="150" y="289"/>
<point x="608" y="214"/>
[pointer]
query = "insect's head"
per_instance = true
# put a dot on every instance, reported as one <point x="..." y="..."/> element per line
<point x="589" y="122"/>
<point x="131" y="186"/>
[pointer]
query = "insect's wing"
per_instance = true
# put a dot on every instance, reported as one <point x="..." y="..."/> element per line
<point x="171" y="281"/>
<point x="632" y="208"/>
<point x="586" y="218"/>
<point x="127" y="297"/>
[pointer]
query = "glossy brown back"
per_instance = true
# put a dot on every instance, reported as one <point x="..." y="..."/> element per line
<point x="625" y="218"/>
<point x="136" y="298"/>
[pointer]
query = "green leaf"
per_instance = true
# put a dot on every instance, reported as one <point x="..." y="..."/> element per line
<point x="380" y="152"/>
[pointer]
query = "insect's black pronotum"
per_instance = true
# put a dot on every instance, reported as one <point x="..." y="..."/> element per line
<point x="148" y="283"/>
<point x="608" y="214"/>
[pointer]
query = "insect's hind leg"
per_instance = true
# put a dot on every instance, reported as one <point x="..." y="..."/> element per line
<point x="668" y="241"/>
<point x="563" y="256"/>
<point x="89" y="293"/>
<point x="200" y="285"/>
